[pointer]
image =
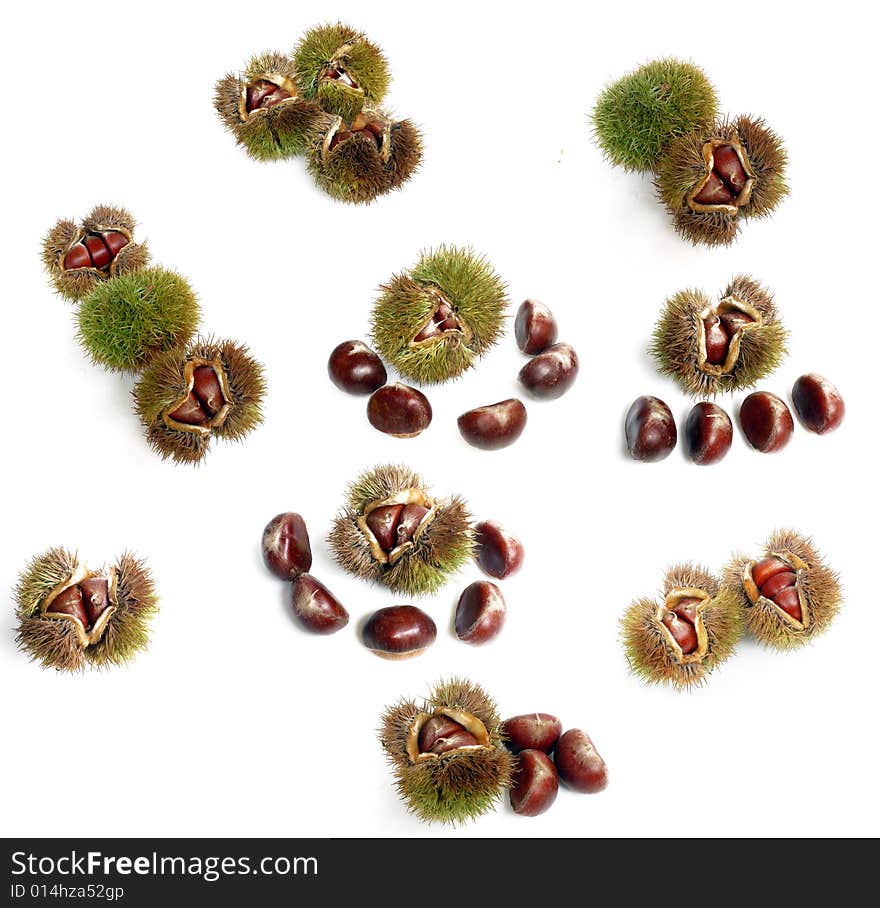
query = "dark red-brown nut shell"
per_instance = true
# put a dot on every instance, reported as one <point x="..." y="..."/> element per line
<point x="579" y="764"/>
<point x="535" y="784"/>
<point x="818" y="403"/>
<point x="535" y="327"/>
<point x="287" y="551"/>
<point x="354" y="368"/>
<point x="494" y="426"/>
<point x="650" y="429"/>
<point x="316" y="608"/>
<point x="551" y="373"/>
<point x="399" y="410"/>
<point x="766" y="422"/>
<point x="399" y="631"/>
<point x="708" y="433"/>
<point x="532" y="731"/>
<point x="499" y="553"/>
<point x="480" y="613"/>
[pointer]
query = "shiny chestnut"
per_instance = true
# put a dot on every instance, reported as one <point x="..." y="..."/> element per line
<point x="353" y="367"/>
<point x="285" y="545"/>
<point x="818" y="403"/>
<point x="534" y="328"/>
<point x="535" y="784"/>
<point x="493" y="426"/>
<point x="551" y="373"/>
<point x="316" y="608"/>
<point x="399" y="410"/>
<point x="650" y="430"/>
<point x="499" y="553"/>
<point x="532" y="731"/>
<point x="579" y="764"/>
<point x="399" y="631"/>
<point x="766" y="422"/>
<point x="480" y="613"/>
<point x="708" y="433"/>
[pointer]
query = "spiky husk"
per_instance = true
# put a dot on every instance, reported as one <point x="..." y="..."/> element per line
<point x="127" y="321"/>
<point x="53" y="643"/>
<point x="819" y="584"/>
<point x="478" y="295"/>
<point x="459" y="787"/>
<point x="276" y="132"/>
<point x="636" y="116"/>
<point x="648" y="651"/>
<point x="163" y="383"/>
<point x="354" y="171"/>
<point x="675" y="344"/>
<point x="682" y="165"/>
<point x="445" y="546"/>
<point x="76" y="284"/>
<point x="365" y="62"/>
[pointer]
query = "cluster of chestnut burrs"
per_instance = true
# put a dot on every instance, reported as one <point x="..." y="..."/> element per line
<point x="710" y="172"/>
<point x="322" y="102"/>
<point x="135" y="318"/>
<point x="784" y="596"/>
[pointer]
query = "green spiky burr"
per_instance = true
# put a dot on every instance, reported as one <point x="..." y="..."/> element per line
<point x="393" y="531"/>
<point x="360" y="160"/>
<point x="77" y="256"/>
<point x="70" y="616"/>
<point x="788" y="594"/>
<point x="447" y="754"/>
<point x="188" y="396"/>
<point x="435" y="321"/>
<point x="713" y="178"/>
<point x="262" y="108"/>
<point x="714" y="348"/>
<point x="343" y="70"/>
<point x="126" y="321"/>
<point x="636" y="116"/>
<point x="681" y="638"/>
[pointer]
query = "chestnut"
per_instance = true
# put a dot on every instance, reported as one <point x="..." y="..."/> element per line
<point x="579" y="764"/>
<point x="535" y="327"/>
<point x="316" y="607"/>
<point x="286" y="548"/>
<point x="818" y="403"/>
<point x="399" y="631"/>
<point x="535" y="784"/>
<point x="399" y="410"/>
<point x="493" y="426"/>
<point x="532" y="731"/>
<point x="355" y="368"/>
<point x="480" y="613"/>
<point x="499" y="553"/>
<point x="650" y="430"/>
<point x="551" y="373"/>
<point x="766" y="422"/>
<point x="708" y="433"/>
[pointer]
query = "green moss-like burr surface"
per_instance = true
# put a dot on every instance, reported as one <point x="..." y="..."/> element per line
<point x="637" y="115"/>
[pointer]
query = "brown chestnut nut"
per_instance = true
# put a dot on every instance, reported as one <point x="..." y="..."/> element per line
<point x="355" y="368"/>
<point x="535" y="327"/>
<point x="480" y="613"/>
<point x="551" y="373"/>
<point x="399" y="631"/>
<point x="818" y="403"/>
<point x="579" y="764"/>
<point x="399" y="410"/>
<point x="766" y="422"/>
<point x="650" y="430"/>
<point x="499" y="553"/>
<point x="708" y="433"/>
<point x="535" y="784"/>
<point x="316" y="607"/>
<point x="493" y="426"/>
<point x="532" y="731"/>
<point x="286" y="548"/>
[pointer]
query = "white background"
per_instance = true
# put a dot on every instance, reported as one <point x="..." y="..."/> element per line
<point x="235" y="721"/>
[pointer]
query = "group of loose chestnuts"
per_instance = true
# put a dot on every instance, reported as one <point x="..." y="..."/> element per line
<point x="395" y="533"/>
<point x="322" y="101"/>
<point x="784" y="596"/>
<point x="710" y="173"/>
<point x="544" y="756"/>
<point x="453" y="757"/>
<point x="764" y="418"/>
<point x="431" y="324"/>
<point x="134" y="318"/>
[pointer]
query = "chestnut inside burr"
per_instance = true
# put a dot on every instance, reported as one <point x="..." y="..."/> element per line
<point x="394" y="527"/>
<point x="682" y="622"/>
<point x="97" y="249"/>
<point x="727" y="183"/>
<point x="85" y="599"/>
<point x="372" y="127"/>
<point x="207" y="401"/>
<point x="445" y="732"/>
<point x="336" y="71"/>
<point x="775" y="578"/>
<point x="263" y="94"/>
<point x="721" y="330"/>
<point x="442" y="323"/>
